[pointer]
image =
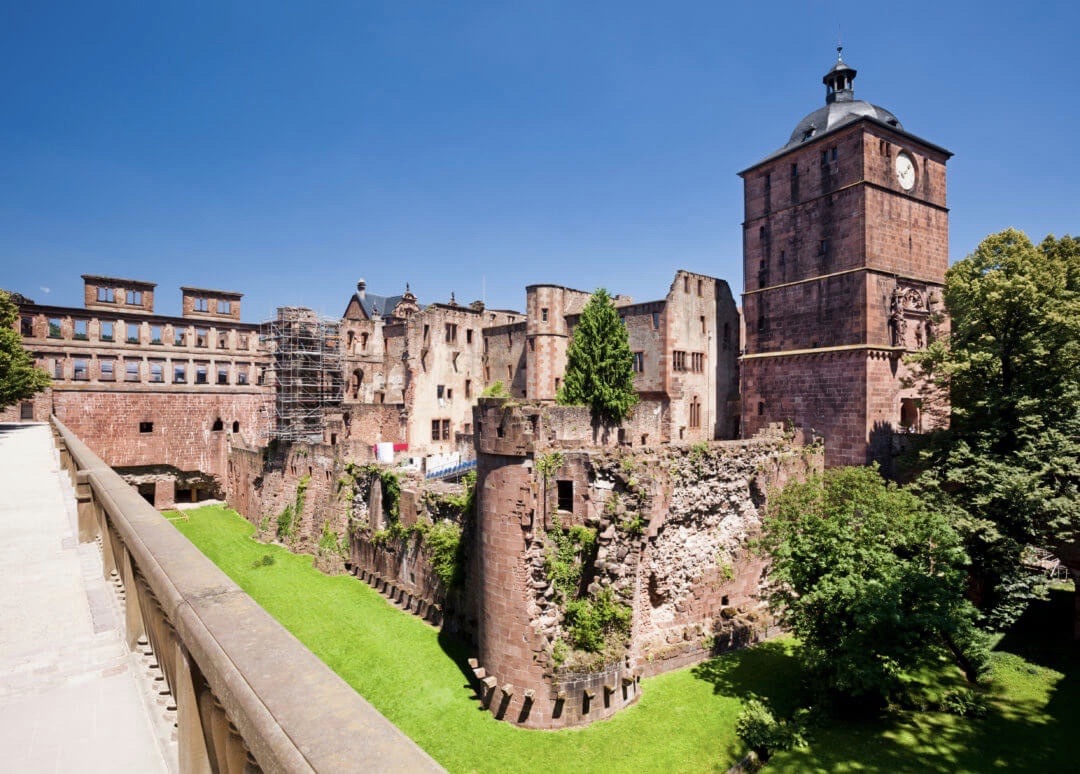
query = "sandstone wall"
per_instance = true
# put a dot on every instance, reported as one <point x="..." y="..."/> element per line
<point x="671" y="526"/>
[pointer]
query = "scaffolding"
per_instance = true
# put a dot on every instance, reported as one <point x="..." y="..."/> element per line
<point x="307" y="369"/>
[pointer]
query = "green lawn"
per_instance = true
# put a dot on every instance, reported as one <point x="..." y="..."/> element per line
<point x="684" y="720"/>
<point x="415" y="676"/>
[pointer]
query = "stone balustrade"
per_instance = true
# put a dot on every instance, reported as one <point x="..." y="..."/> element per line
<point x="249" y="695"/>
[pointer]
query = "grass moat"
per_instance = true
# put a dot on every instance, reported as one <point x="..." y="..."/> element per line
<point x="685" y="720"/>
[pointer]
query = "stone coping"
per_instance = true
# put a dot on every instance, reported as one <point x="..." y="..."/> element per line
<point x="293" y="712"/>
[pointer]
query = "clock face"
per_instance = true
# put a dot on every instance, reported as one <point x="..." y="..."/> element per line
<point x="905" y="171"/>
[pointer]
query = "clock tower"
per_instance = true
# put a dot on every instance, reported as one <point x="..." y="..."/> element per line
<point x="845" y="247"/>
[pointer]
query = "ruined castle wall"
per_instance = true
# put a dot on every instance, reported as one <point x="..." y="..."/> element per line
<point x="141" y="428"/>
<point x="672" y="526"/>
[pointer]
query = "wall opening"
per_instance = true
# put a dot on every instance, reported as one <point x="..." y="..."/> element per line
<point x="566" y="495"/>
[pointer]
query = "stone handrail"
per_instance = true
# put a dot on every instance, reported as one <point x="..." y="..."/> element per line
<point x="249" y="696"/>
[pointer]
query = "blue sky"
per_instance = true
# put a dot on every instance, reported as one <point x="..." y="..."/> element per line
<point x="286" y="150"/>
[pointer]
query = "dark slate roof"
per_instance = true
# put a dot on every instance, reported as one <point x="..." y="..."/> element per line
<point x="833" y="116"/>
<point x="840" y="109"/>
<point x="385" y="304"/>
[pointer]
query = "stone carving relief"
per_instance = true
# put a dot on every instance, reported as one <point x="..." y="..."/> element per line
<point x="910" y="319"/>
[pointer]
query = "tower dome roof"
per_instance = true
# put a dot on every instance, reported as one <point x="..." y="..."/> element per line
<point x="840" y="108"/>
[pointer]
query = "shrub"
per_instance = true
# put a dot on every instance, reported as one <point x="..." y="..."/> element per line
<point x="589" y="622"/>
<point x="763" y="733"/>
<point x="495" y="390"/>
<point x="965" y="703"/>
<point x="443" y="541"/>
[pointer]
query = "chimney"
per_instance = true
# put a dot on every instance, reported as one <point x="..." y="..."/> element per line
<point x="361" y="289"/>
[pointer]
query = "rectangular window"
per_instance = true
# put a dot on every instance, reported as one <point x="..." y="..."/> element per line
<point x="179" y="373"/>
<point x="201" y="305"/>
<point x="54" y="327"/>
<point x="468" y="335"/>
<point x="134" y="297"/>
<point x="566" y="496"/>
<point x="427" y="330"/>
<point x="132" y="333"/>
<point x="697" y="362"/>
<point x="155" y="334"/>
<point x="702" y="320"/>
<point x="58" y="369"/>
<point x="224" y="307"/>
<point x="544" y="315"/>
<point x="363" y="341"/>
<point x="80" y="372"/>
<point x="700" y="286"/>
<point x="202" y="337"/>
<point x="446" y="429"/>
<point x="242" y="340"/>
<point x="468" y="388"/>
<point x="106" y="295"/>
<point x="695" y="413"/>
<point x="685" y="284"/>
<point x="656" y="320"/>
<point x="262" y="376"/>
<point x="451" y="332"/>
<point x="108" y="370"/>
<point x="435" y="429"/>
<point x="131" y="370"/>
<point x="106" y="331"/>
<point x="509" y="373"/>
<point x="146" y="427"/>
<point x="179" y="337"/>
<point x="26" y="326"/>
<point x="823" y="247"/>
<point x="242" y="373"/>
<point x="487" y="374"/>
<point x="639" y="362"/>
<point x="223" y="340"/>
<point x="157" y="373"/>
<point x="678" y="361"/>
<point x="200" y="374"/>
<point x="79" y="329"/>
<point x="223" y="375"/>
<point x="440" y="391"/>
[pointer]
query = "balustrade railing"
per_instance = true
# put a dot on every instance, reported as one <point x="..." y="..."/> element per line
<point x="249" y="696"/>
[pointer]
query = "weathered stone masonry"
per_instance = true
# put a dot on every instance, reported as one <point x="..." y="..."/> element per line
<point x="672" y="525"/>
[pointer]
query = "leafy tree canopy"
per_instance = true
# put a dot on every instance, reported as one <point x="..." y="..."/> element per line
<point x="871" y="580"/>
<point x="599" y="363"/>
<point x="1009" y="466"/>
<point x="19" y="377"/>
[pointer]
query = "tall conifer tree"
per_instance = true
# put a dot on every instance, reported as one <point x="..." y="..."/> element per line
<point x="599" y="363"/>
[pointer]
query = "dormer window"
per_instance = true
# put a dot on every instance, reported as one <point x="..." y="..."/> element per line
<point x="202" y="305"/>
<point x="134" y="297"/>
<point x="106" y="295"/>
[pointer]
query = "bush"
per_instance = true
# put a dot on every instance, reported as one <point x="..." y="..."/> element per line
<point x="760" y="730"/>
<point x="265" y="561"/>
<point x="495" y="390"/>
<point x="964" y="702"/>
<point x="443" y="541"/>
<point x="590" y="622"/>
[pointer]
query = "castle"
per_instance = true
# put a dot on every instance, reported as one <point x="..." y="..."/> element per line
<point x="845" y="249"/>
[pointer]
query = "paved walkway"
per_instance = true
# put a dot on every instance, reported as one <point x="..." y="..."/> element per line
<point x="72" y="697"/>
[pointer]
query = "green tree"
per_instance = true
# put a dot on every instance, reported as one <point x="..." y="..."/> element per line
<point x="1008" y="468"/>
<point x="599" y="363"/>
<point x="19" y="377"/>
<point x="871" y="581"/>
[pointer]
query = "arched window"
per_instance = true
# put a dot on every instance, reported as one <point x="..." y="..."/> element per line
<point x="218" y="425"/>
<point x="236" y="427"/>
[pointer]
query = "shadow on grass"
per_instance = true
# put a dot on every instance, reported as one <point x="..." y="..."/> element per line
<point x="1031" y="725"/>
<point x="770" y="669"/>
<point x="458" y="650"/>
